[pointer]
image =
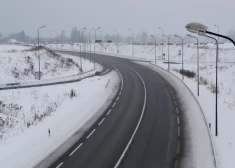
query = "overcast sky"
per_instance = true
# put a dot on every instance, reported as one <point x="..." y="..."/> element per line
<point x="140" y="15"/>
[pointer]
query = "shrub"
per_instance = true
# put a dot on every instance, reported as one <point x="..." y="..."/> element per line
<point x="189" y="74"/>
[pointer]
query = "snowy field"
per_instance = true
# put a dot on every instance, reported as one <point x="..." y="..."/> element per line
<point x="224" y="144"/>
<point x="18" y="64"/>
<point x="27" y="114"/>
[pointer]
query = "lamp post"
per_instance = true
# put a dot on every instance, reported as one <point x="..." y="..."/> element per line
<point x="197" y="61"/>
<point x="155" y="46"/>
<point x="39" y="59"/>
<point x="90" y="41"/>
<point x="202" y="31"/>
<point x="51" y="38"/>
<point x="218" y="30"/>
<point x="80" y="45"/>
<point x="162" y="40"/>
<point x="117" y="39"/>
<point x="182" y="55"/>
<point x="168" y="51"/>
<point x="132" y="41"/>
<point x="216" y="81"/>
<point x="95" y="43"/>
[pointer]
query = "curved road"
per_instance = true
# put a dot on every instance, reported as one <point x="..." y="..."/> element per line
<point x="139" y="129"/>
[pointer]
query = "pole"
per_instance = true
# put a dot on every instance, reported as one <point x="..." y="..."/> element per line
<point x="182" y="58"/>
<point x="162" y="40"/>
<point x="132" y="41"/>
<point x="39" y="56"/>
<point x="95" y="44"/>
<point x="197" y="67"/>
<point x="216" y="87"/>
<point x="168" y="55"/>
<point x="90" y="42"/>
<point x="155" y="49"/>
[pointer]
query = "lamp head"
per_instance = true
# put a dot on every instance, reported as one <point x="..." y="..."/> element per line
<point x="197" y="28"/>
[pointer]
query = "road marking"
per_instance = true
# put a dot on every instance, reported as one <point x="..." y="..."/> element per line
<point x="173" y="97"/>
<point x="90" y="134"/>
<point x="60" y="164"/>
<point x="171" y="91"/>
<point x="178" y="119"/>
<point x="114" y="104"/>
<point x="109" y="111"/>
<point x="178" y="147"/>
<point x="176" y="164"/>
<point x="177" y="110"/>
<point x="117" y="98"/>
<point x="75" y="149"/>
<point x="120" y="93"/>
<point x="101" y="121"/>
<point x="178" y="131"/>
<point x="140" y="119"/>
<point x="175" y="103"/>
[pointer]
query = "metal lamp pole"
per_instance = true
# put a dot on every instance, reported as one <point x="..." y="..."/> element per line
<point x="168" y="52"/>
<point x="95" y="44"/>
<point x="197" y="62"/>
<point x="132" y="41"/>
<point x="182" y="54"/>
<point x="218" y="31"/>
<point x="39" y="59"/>
<point x="80" y="45"/>
<point x="90" y="41"/>
<point x="117" y="39"/>
<point x="155" y="46"/>
<point x="216" y="88"/>
<point x="162" y="41"/>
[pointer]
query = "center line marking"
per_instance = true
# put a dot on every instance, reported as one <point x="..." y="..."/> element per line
<point x="171" y="91"/>
<point x="60" y="164"/>
<point x="114" y="104"/>
<point x="120" y="93"/>
<point x="75" y="149"/>
<point x="178" y="119"/>
<point x="101" y="121"/>
<point x="109" y="111"/>
<point x="178" y="131"/>
<point x="173" y="96"/>
<point x="90" y="134"/>
<point x="178" y="147"/>
<point x="117" y="98"/>
<point x="177" y="110"/>
<point x="175" y="103"/>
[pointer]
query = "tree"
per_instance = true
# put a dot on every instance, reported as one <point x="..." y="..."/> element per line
<point x="144" y="37"/>
<point x="74" y="35"/>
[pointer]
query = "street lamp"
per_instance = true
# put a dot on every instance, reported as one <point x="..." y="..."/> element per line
<point x="95" y="43"/>
<point x="218" y="30"/>
<point x="216" y="81"/>
<point x="90" y="41"/>
<point x="80" y="45"/>
<point x="168" y="52"/>
<point x="189" y="35"/>
<point x="155" y="46"/>
<point x="117" y="39"/>
<point x="132" y="41"/>
<point x="39" y="59"/>
<point x="162" y="40"/>
<point x="182" y="55"/>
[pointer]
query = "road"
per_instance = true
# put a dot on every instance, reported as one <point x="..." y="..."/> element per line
<point x="139" y="130"/>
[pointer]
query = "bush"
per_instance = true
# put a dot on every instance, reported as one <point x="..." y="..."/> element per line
<point x="189" y="74"/>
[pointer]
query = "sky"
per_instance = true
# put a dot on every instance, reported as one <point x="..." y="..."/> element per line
<point x="139" y="15"/>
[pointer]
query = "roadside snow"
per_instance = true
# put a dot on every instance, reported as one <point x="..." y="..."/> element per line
<point x="27" y="114"/>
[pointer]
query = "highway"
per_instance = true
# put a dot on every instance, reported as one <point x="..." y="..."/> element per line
<point x="139" y="130"/>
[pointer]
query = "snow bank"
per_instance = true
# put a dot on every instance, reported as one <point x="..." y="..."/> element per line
<point x="29" y="113"/>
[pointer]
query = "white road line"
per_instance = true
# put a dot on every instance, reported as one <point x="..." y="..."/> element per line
<point x="175" y="103"/>
<point x="171" y="91"/>
<point x="177" y="110"/>
<point x="178" y="131"/>
<point x="178" y="119"/>
<point x="114" y="104"/>
<point x="60" y="164"/>
<point x="178" y="147"/>
<point x="101" y="121"/>
<point x="140" y="119"/>
<point x="120" y="93"/>
<point x="75" y="149"/>
<point x="109" y="111"/>
<point x="117" y="98"/>
<point x="90" y="134"/>
<point x="173" y="97"/>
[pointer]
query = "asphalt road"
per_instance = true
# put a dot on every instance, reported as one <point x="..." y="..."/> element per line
<point x="139" y="129"/>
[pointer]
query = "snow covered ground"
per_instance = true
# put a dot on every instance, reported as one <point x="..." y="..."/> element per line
<point x="18" y="64"/>
<point x="27" y="114"/>
<point x="224" y="144"/>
